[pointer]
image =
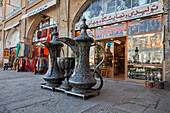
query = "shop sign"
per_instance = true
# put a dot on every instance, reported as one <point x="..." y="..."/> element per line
<point x="12" y="26"/>
<point x="143" y="11"/>
<point x="111" y="31"/>
<point x="49" y="4"/>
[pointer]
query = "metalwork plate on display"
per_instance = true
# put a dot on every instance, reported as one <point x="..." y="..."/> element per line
<point x="93" y="93"/>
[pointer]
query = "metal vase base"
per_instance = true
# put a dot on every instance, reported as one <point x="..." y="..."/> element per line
<point x="65" y="85"/>
<point x="53" y="82"/>
<point x="84" y="95"/>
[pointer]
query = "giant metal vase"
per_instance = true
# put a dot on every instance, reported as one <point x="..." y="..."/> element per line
<point x="54" y="75"/>
<point x="82" y="79"/>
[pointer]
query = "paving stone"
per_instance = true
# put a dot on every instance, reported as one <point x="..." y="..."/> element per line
<point x="153" y="110"/>
<point x="164" y="104"/>
<point x="103" y="109"/>
<point x="4" y="110"/>
<point x="141" y="101"/>
<point x="130" y="107"/>
<point x="26" y="102"/>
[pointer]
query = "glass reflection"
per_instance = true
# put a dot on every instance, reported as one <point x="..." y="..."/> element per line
<point x="109" y="6"/>
<point x="147" y="25"/>
<point x="97" y="8"/>
<point x="145" y="49"/>
<point x="154" y="0"/>
<point x="136" y="3"/>
<point x="123" y="4"/>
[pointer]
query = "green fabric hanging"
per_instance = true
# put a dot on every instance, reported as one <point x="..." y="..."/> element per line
<point x="43" y="65"/>
<point x="18" y="47"/>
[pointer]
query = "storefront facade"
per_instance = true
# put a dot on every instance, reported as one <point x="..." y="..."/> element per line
<point x="132" y="36"/>
<point x="137" y="29"/>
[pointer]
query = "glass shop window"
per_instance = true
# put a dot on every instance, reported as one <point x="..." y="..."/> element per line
<point x="136" y="3"/>
<point x="154" y="1"/>
<point x="123" y="5"/>
<point x="147" y="25"/>
<point x="109" y="6"/>
<point x="97" y="9"/>
<point x="86" y="14"/>
<point x="145" y="49"/>
<point x="145" y="72"/>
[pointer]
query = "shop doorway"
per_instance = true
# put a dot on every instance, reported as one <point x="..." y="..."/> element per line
<point x="114" y="64"/>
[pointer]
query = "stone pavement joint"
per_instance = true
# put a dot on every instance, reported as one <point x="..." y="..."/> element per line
<point x="4" y="110"/>
<point x="103" y="109"/>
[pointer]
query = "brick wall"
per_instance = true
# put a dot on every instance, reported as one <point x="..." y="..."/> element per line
<point x="167" y="41"/>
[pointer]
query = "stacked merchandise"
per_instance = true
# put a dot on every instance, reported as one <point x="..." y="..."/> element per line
<point x="21" y="64"/>
<point x="39" y="65"/>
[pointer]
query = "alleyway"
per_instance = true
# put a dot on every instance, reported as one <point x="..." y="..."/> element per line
<point x="20" y="92"/>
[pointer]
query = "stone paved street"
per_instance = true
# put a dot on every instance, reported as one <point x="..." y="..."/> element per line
<point x="20" y="92"/>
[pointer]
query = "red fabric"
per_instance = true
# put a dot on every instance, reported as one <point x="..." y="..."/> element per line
<point x="32" y="64"/>
<point x="45" y="48"/>
<point x="26" y="64"/>
<point x="44" y="33"/>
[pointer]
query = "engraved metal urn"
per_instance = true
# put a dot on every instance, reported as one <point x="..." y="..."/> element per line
<point x="82" y="79"/>
<point x="66" y="64"/>
<point x="54" y="75"/>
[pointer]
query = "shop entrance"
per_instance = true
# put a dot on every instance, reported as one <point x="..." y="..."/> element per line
<point x="114" y="64"/>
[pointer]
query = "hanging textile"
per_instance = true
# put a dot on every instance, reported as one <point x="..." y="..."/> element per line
<point x="21" y="50"/>
<point x="21" y="64"/>
<point x="45" y="48"/>
<point x="26" y="50"/>
<point x="38" y="34"/>
<point x="39" y="65"/>
<point x="17" y="51"/>
<point x="44" y="33"/>
<point x="48" y="31"/>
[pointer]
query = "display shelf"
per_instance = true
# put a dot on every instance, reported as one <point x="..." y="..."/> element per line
<point x="147" y="64"/>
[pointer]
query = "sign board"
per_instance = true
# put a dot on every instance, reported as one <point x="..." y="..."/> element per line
<point x="146" y="10"/>
<point x="111" y="31"/>
<point x="49" y="4"/>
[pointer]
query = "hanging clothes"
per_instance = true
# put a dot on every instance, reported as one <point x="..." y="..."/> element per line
<point x="14" y="64"/>
<point x="17" y="51"/>
<point x="38" y="34"/>
<point x="48" y="31"/>
<point x="26" y="50"/>
<point x="44" y="33"/>
<point x="45" y="48"/>
<point x="40" y="65"/>
<point x="21" y="51"/>
<point x="27" y="64"/>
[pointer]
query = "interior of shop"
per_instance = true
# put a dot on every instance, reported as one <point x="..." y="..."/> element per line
<point x="114" y="64"/>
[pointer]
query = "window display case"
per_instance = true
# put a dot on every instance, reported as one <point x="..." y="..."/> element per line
<point x="144" y="72"/>
<point x="145" y="49"/>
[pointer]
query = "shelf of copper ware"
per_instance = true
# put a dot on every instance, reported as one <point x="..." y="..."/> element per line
<point x="148" y="64"/>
